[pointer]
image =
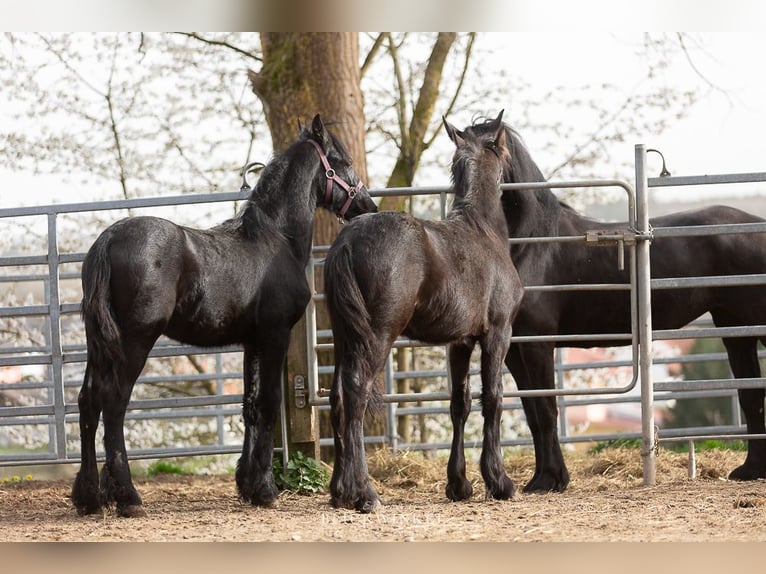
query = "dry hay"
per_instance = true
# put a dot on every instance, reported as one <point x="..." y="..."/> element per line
<point x="608" y="469"/>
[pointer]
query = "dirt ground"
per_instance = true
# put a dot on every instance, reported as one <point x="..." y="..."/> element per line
<point x="606" y="501"/>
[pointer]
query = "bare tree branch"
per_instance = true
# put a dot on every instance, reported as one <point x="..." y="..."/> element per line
<point x="220" y="44"/>
<point x="372" y="53"/>
<point x="466" y="62"/>
<point x="681" y="42"/>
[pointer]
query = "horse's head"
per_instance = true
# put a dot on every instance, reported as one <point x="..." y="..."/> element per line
<point x="339" y="188"/>
<point x="486" y="152"/>
<point x="518" y="165"/>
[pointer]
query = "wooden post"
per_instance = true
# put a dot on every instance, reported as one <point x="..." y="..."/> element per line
<point x="302" y="418"/>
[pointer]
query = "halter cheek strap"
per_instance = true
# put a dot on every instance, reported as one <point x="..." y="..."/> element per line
<point x="333" y="177"/>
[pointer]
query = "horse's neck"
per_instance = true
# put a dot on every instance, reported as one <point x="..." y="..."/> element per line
<point x="532" y="213"/>
<point x="287" y="207"/>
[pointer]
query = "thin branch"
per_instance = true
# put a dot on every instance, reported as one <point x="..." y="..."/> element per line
<point x="115" y="130"/>
<point x="697" y="71"/>
<point x="220" y="44"/>
<point x="372" y="53"/>
<point x="466" y="62"/>
<point x="66" y="64"/>
<point x="401" y="110"/>
<point x="592" y="138"/>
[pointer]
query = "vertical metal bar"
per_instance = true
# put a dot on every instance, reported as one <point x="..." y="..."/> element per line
<point x="219" y="390"/>
<point x="57" y="358"/>
<point x="311" y="335"/>
<point x="392" y="426"/>
<point x="692" y="462"/>
<point x="49" y="391"/>
<point x="735" y="410"/>
<point x="648" y="453"/>
<point x="443" y="204"/>
<point x="285" y="437"/>
<point x="562" y="400"/>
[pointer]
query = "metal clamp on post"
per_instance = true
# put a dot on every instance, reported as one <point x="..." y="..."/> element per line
<point x="299" y="386"/>
<point x="604" y="237"/>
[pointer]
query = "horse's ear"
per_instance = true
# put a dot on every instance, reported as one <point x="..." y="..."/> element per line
<point x="319" y="132"/>
<point x="498" y="121"/>
<point x="500" y="136"/>
<point x="454" y="134"/>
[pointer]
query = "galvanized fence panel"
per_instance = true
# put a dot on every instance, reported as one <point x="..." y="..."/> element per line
<point x="55" y="405"/>
<point x="63" y="362"/>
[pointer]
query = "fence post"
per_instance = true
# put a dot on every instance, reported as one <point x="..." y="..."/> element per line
<point x="643" y="280"/>
<point x="302" y="419"/>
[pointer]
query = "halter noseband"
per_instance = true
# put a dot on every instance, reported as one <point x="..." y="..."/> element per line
<point x="333" y="177"/>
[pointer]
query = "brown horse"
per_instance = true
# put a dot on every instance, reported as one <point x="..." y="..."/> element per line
<point x="448" y="281"/>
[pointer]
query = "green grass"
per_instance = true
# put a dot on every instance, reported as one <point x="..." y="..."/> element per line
<point x="165" y="467"/>
<point x="681" y="446"/>
<point x="706" y="445"/>
<point x="616" y="443"/>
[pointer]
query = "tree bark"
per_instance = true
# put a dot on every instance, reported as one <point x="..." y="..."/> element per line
<point x="308" y="73"/>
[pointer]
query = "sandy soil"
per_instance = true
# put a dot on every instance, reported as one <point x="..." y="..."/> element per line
<point x="605" y="502"/>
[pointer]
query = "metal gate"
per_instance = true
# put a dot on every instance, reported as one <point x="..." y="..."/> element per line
<point x="54" y="410"/>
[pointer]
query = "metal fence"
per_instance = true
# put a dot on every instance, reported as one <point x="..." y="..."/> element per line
<point x="62" y="363"/>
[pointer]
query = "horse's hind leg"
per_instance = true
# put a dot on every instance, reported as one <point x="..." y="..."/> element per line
<point x="351" y="389"/>
<point x="498" y="484"/>
<point x="743" y="359"/>
<point x="116" y="483"/>
<point x="85" y="491"/>
<point x="458" y="486"/>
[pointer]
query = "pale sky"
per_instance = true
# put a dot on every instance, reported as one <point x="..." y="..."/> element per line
<point x="722" y="133"/>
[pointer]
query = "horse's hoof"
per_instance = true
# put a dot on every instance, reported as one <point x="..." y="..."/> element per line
<point x="547" y="482"/>
<point x="504" y="491"/>
<point x="368" y="506"/>
<point x="459" y="490"/>
<point x="747" y="472"/>
<point x="340" y="502"/>
<point x="85" y="509"/>
<point x="131" y="511"/>
<point x="265" y="502"/>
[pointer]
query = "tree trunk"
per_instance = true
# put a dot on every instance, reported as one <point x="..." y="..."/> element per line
<point x="304" y="74"/>
<point x="308" y="73"/>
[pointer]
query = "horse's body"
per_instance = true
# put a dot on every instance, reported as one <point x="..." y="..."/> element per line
<point x="446" y="281"/>
<point x="242" y="281"/>
<point x="539" y="213"/>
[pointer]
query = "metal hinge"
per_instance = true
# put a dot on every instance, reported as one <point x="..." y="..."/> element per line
<point x="299" y="386"/>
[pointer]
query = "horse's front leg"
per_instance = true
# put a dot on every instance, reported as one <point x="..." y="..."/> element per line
<point x="262" y="398"/>
<point x="498" y="484"/>
<point x="531" y="365"/>
<point x="458" y="486"/>
<point x="743" y="358"/>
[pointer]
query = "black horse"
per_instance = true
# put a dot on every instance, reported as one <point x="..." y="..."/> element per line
<point x="538" y="213"/>
<point x="442" y="282"/>
<point x="242" y="281"/>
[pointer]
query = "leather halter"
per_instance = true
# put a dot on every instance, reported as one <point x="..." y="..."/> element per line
<point x="334" y="177"/>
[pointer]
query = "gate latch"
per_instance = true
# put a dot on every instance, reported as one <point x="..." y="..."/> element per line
<point x="299" y="386"/>
<point x="620" y="237"/>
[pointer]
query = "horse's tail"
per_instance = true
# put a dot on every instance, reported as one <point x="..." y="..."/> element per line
<point x="104" y="340"/>
<point x="348" y="311"/>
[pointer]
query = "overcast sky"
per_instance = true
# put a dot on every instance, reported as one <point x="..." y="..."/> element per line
<point x="722" y="133"/>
